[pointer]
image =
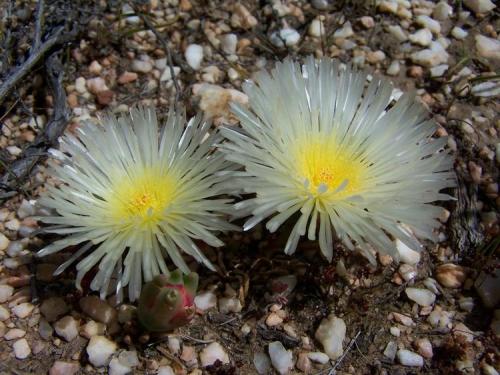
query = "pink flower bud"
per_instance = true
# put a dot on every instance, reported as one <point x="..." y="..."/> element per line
<point x="167" y="302"/>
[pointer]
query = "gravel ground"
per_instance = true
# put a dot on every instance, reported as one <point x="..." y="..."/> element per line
<point x="436" y="312"/>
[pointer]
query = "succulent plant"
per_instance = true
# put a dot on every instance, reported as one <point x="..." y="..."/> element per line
<point x="167" y="302"/>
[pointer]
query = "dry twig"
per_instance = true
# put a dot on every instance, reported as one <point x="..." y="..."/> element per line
<point x="25" y="68"/>
<point x="21" y="168"/>
<point x="170" y="57"/>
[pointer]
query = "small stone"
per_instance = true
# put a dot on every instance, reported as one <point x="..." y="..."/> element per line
<point x="14" y="334"/>
<point x="4" y="242"/>
<point x="227" y="305"/>
<point x="72" y="100"/>
<point x="459" y="33"/>
<point x="422" y="37"/>
<point x="391" y="350"/>
<point x="80" y="85"/>
<point x="129" y="358"/>
<point x="303" y="363"/>
<point x="466" y="303"/>
<point x="45" y="330"/>
<point x="407" y="255"/>
<point x="126" y="313"/>
<point x="4" y="313"/>
<point x="242" y="17"/>
<point x="100" y="350"/>
<point x="167" y="75"/>
<point x="211" y="74"/>
<point x="438" y="71"/>
<point x="233" y="74"/>
<point x="367" y="22"/>
<point x="64" y="368"/>
<point x="429" y="23"/>
<point x="479" y="6"/>
<point x="124" y="363"/>
<point x="165" y="370"/>
<point x="424" y="348"/>
<point x="318" y="357"/>
<point x="194" y="56"/>
<point x="127" y="77"/>
<point x="488" y="47"/>
<point x="375" y="57"/>
<point x="131" y="18"/>
<point x="432" y="285"/>
<point x="450" y="275"/>
<point x="229" y="43"/>
<point x="188" y="355"/>
<point x="273" y="320"/>
<point x="397" y="32"/>
<point x="185" y="5"/>
<point x="440" y="318"/>
<point x="423" y="297"/>
<point x="23" y="310"/>
<point x="174" y="345"/>
<point x="403" y="319"/>
<point x="5" y="292"/>
<point x="290" y="36"/>
<point x="13" y="224"/>
<point x="331" y="334"/>
<point x="92" y="328"/>
<point x="22" y="349"/>
<point x="212" y="353"/>
<point x="105" y="98"/>
<point x="141" y="66"/>
<point x="432" y="56"/>
<point x="98" y="309"/>
<point x="67" y="328"/>
<point x="486" y="89"/>
<point x="442" y="11"/>
<point x="316" y="28"/>
<point x="25" y="210"/>
<point x="344" y="32"/>
<point x="462" y="330"/>
<point x="320" y="4"/>
<point x="96" y="85"/>
<point x="14" y="150"/>
<point x="205" y="301"/>
<point x="95" y="67"/>
<point x="488" y="287"/>
<point x="117" y="368"/>
<point x="407" y="272"/>
<point x="53" y="307"/>
<point x="409" y="358"/>
<point x="262" y="363"/>
<point x="394" y="68"/>
<point x="281" y="359"/>
<point x="395" y="331"/>
<point x="487" y="369"/>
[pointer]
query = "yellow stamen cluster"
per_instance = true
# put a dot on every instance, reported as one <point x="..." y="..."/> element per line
<point x="324" y="163"/>
<point x="142" y="198"/>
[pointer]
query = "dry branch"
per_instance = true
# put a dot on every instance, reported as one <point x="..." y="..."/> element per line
<point x="170" y="56"/>
<point x="25" y="68"/>
<point x="21" y="168"/>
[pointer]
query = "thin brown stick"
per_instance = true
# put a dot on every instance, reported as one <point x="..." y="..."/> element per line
<point x="25" y="68"/>
<point x="21" y="168"/>
<point x="38" y="25"/>
<point x="170" y="59"/>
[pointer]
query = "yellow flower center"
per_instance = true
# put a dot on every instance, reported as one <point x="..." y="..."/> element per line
<point x="141" y="198"/>
<point x="322" y="162"/>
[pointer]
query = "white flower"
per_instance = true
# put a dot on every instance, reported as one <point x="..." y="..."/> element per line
<point x="138" y="196"/>
<point x="340" y="155"/>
